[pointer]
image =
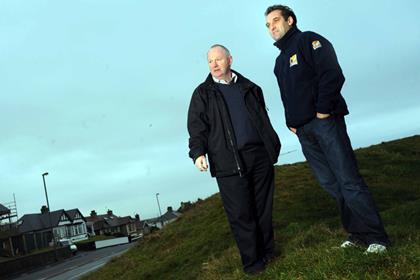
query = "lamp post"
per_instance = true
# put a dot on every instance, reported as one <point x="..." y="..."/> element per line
<point x="49" y="212"/>
<point x="160" y="212"/>
<point x="46" y="194"/>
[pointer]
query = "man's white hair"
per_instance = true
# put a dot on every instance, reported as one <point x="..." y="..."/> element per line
<point x="227" y="52"/>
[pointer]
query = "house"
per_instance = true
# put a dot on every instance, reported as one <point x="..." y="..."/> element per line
<point x="9" y="240"/>
<point x="40" y="230"/>
<point x="165" y="219"/>
<point x="110" y="224"/>
<point x="170" y="216"/>
<point x="69" y="224"/>
<point x="78" y="230"/>
<point x="152" y="223"/>
<point x="8" y="232"/>
<point x="145" y="228"/>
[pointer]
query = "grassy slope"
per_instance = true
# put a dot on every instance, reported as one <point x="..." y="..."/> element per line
<point x="307" y="229"/>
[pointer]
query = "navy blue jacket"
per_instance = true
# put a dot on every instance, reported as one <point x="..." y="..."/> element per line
<point x="309" y="77"/>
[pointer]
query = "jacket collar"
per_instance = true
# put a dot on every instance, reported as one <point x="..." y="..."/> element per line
<point x="241" y="80"/>
<point x="284" y="42"/>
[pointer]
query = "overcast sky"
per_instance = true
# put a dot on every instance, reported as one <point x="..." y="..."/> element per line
<point x="96" y="92"/>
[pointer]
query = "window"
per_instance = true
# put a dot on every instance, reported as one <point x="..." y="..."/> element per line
<point x="82" y="229"/>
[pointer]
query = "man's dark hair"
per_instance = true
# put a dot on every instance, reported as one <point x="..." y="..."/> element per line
<point x="286" y="12"/>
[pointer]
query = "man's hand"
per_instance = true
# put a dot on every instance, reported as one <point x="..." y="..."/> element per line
<point x="293" y="129"/>
<point x="322" y="116"/>
<point x="201" y="163"/>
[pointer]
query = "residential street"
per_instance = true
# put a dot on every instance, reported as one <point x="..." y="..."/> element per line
<point x="76" y="267"/>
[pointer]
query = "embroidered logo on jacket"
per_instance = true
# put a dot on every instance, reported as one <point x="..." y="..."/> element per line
<point x="293" y="60"/>
<point x="316" y="44"/>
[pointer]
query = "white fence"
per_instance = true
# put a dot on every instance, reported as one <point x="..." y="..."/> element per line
<point x="111" y="242"/>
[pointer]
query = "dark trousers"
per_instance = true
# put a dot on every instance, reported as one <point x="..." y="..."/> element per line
<point x="328" y="150"/>
<point x="248" y="202"/>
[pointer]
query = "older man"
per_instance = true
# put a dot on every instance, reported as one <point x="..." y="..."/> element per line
<point x="228" y="123"/>
<point x="310" y="81"/>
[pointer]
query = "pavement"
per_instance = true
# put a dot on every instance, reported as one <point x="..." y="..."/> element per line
<point x="77" y="266"/>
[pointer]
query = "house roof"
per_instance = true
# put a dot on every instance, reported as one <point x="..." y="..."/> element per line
<point x="73" y="212"/>
<point x="36" y="222"/>
<point x="99" y="224"/>
<point x="108" y="221"/>
<point x="170" y="215"/>
<point x="152" y="220"/>
<point x="119" y="221"/>
<point x="4" y="210"/>
<point x="100" y="217"/>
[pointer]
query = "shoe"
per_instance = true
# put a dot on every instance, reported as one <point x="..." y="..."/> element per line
<point x="375" y="249"/>
<point x="269" y="259"/>
<point x="255" y="271"/>
<point x="348" y="244"/>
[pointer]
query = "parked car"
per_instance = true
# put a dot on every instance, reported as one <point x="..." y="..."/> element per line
<point x="68" y="242"/>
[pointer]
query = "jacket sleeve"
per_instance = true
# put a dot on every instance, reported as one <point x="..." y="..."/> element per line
<point x="197" y="126"/>
<point x="260" y="98"/>
<point x="320" y="53"/>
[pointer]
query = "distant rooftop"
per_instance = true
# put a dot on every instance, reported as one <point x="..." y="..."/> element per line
<point x="4" y="210"/>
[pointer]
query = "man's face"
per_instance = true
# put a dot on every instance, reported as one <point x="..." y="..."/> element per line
<point x="219" y="63"/>
<point x="277" y="25"/>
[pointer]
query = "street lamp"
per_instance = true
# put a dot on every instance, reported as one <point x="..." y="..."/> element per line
<point x="45" y="189"/>
<point x="49" y="212"/>
<point x="160" y="212"/>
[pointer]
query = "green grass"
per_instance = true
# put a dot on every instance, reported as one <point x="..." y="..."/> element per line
<point x="307" y="229"/>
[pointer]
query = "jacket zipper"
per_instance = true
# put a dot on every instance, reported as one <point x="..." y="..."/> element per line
<point x="231" y="141"/>
<point x="234" y="154"/>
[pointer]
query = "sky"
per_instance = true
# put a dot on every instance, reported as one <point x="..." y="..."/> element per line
<point x="96" y="92"/>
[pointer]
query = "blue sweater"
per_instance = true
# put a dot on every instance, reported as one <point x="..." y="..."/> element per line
<point x="245" y="132"/>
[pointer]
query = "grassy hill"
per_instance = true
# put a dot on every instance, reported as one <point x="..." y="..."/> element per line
<point x="307" y="229"/>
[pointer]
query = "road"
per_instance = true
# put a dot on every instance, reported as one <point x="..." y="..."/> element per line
<point x="76" y="267"/>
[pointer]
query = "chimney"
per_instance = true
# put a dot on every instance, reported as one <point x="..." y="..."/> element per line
<point x="137" y="217"/>
<point x="44" y="209"/>
<point x="170" y="209"/>
<point x="93" y="213"/>
<point x="109" y="213"/>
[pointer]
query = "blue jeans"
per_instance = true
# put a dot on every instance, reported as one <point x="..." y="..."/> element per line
<point x="328" y="150"/>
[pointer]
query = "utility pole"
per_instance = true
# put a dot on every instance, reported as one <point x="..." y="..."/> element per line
<point x="160" y="212"/>
<point x="49" y="215"/>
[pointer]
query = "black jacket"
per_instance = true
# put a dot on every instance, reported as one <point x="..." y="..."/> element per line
<point x="309" y="77"/>
<point x="211" y="130"/>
